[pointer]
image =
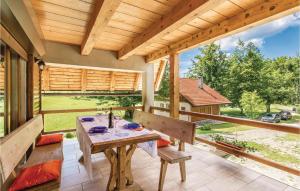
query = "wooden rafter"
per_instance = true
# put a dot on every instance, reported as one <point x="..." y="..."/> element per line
<point x="34" y="18"/>
<point x="104" y="9"/>
<point x="183" y="12"/>
<point x="112" y="81"/>
<point x="23" y="12"/>
<point x="262" y="13"/>
<point x="160" y="72"/>
<point x="11" y="41"/>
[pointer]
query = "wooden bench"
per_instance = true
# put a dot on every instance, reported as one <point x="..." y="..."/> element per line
<point x="182" y="130"/>
<point x="14" y="147"/>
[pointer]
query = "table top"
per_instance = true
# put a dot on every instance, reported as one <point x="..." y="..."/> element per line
<point x="115" y="137"/>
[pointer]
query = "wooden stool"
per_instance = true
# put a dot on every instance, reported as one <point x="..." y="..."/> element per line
<point x="171" y="155"/>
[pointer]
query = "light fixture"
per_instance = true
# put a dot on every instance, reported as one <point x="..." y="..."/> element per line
<point x="40" y="62"/>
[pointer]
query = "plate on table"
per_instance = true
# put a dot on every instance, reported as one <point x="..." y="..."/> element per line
<point x="133" y="126"/>
<point x="98" y="129"/>
<point x="87" y="119"/>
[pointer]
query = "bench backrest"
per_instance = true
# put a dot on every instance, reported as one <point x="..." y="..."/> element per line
<point x="14" y="146"/>
<point x="182" y="130"/>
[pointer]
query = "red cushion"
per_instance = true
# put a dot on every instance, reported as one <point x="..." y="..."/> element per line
<point x="37" y="174"/>
<point x="49" y="139"/>
<point x="162" y="143"/>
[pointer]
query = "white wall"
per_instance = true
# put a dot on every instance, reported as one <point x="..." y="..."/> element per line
<point x="181" y="104"/>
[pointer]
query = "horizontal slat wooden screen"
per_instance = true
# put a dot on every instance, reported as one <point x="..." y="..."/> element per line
<point x="79" y="79"/>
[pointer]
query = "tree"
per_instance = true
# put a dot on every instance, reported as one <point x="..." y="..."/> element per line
<point x="279" y="81"/>
<point x="252" y="104"/>
<point x="127" y="101"/>
<point x="246" y="64"/>
<point x="164" y="89"/>
<point x="212" y="65"/>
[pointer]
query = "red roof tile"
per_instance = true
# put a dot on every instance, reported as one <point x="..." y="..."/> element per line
<point x="190" y="90"/>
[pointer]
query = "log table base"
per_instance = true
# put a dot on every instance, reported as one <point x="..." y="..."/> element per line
<point x="121" y="178"/>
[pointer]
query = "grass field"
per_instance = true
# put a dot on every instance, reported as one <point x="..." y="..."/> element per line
<point x="225" y="128"/>
<point x="68" y="120"/>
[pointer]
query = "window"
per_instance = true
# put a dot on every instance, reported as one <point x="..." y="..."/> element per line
<point x="182" y="108"/>
<point x="167" y="106"/>
<point x="12" y="90"/>
<point x="162" y="105"/>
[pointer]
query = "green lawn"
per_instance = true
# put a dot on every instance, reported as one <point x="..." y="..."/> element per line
<point x="55" y="122"/>
<point x="225" y="128"/>
<point x="274" y="154"/>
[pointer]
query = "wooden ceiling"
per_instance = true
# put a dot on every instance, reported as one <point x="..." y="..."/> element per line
<point x="142" y="27"/>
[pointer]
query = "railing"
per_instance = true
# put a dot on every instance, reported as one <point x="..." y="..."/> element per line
<point x="252" y="123"/>
<point x="45" y="112"/>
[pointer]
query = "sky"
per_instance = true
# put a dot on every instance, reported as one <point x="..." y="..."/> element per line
<point x="280" y="37"/>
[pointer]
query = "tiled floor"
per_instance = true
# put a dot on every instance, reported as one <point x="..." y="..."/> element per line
<point x="205" y="172"/>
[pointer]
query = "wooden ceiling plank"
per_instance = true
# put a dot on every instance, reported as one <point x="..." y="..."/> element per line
<point x="43" y="15"/>
<point x="259" y="14"/>
<point x="52" y="8"/>
<point x="104" y="10"/>
<point x="138" y="12"/>
<point x="62" y="25"/>
<point x="73" y="4"/>
<point x="179" y="15"/>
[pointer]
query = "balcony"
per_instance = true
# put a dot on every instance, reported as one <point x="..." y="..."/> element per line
<point x="205" y="172"/>
<point x="121" y="48"/>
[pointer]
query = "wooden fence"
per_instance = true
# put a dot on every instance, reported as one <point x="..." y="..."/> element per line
<point x="252" y="123"/>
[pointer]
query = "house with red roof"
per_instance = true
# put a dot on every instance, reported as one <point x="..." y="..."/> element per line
<point x="197" y="97"/>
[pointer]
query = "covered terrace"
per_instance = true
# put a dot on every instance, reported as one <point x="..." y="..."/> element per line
<point x="122" y="45"/>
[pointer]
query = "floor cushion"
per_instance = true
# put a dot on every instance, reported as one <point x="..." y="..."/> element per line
<point x="49" y="139"/>
<point x="37" y="174"/>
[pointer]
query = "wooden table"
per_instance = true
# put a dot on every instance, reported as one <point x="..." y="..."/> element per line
<point x="121" y="177"/>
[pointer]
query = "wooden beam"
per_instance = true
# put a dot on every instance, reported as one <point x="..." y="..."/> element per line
<point x="30" y="86"/>
<point x="34" y="18"/>
<point x="136" y="82"/>
<point x="104" y="9"/>
<point x="112" y="81"/>
<point x="174" y="85"/>
<point x="260" y="14"/>
<point x="11" y="42"/>
<point x="183" y="12"/>
<point x="46" y="79"/>
<point x="83" y="79"/>
<point x="8" y="91"/>
<point x="160" y="73"/>
<point x="20" y="11"/>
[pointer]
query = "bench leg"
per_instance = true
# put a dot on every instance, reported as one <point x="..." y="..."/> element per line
<point x="163" y="170"/>
<point x="182" y="171"/>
